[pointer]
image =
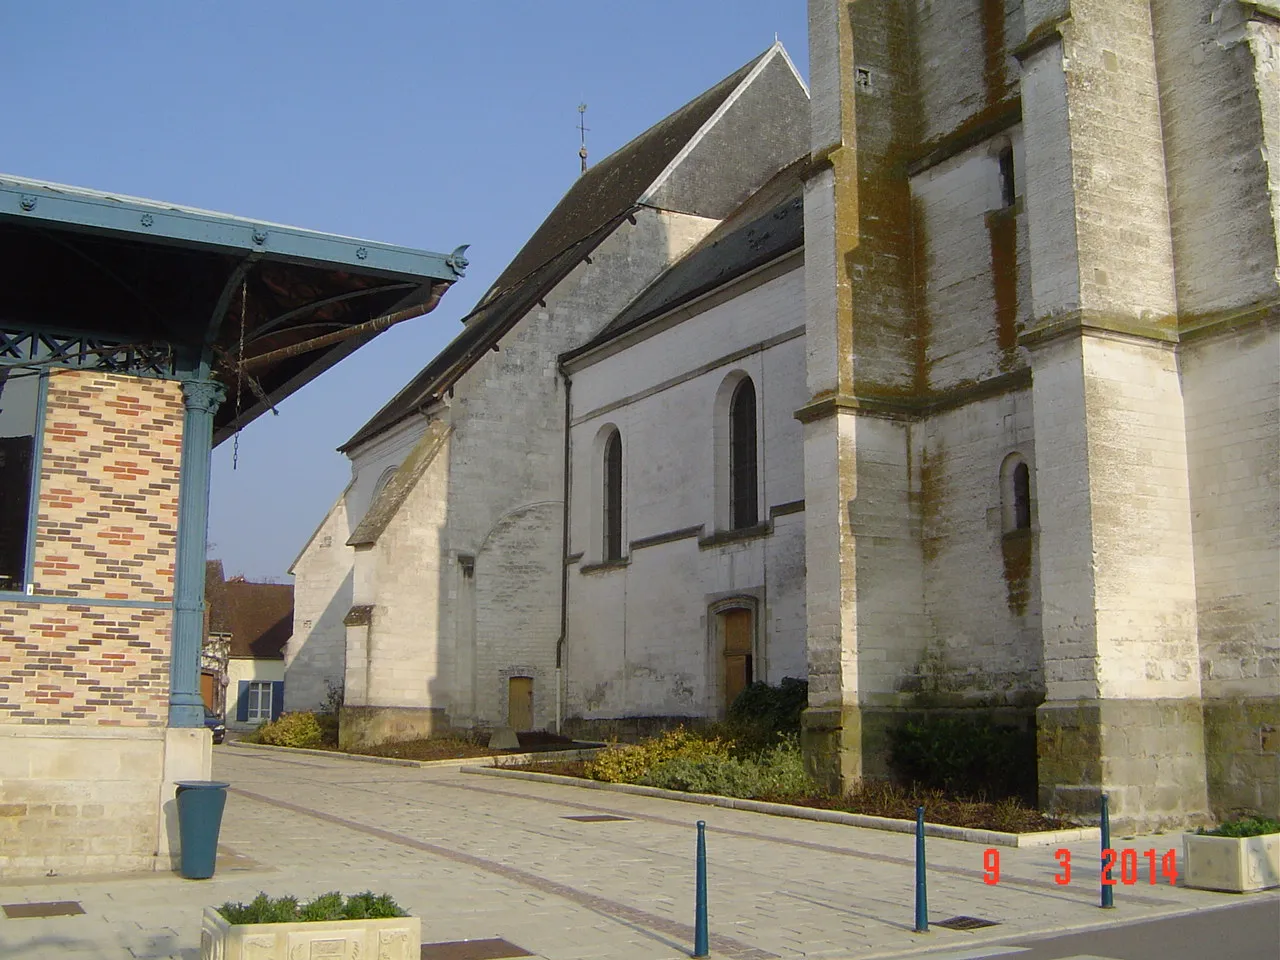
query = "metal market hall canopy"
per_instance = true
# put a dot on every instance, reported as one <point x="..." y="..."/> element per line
<point x="138" y="286"/>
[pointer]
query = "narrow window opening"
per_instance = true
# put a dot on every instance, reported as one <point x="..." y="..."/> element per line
<point x="1008" y="186"/>
<point x="19" y="401"/>
<point x="613" y="497"/>
<point x="743" y="483"/>
<point x="1021" y="497"/>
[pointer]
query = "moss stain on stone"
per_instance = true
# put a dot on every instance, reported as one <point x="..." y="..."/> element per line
<point x="993" y="52"/>
<point x="1016" y="549"/>
<point x="932" y="492"/>
<point x="1002" y="228"/>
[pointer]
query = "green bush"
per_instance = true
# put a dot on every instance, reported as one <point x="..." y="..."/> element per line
<point x="965" y="756"/>
<point x="771" y="710"/>
<point x="328" y="906"/>
<point x="631" y="763"/>
<point x="292" y="730"/>
<point x="774" y="772"/>
<point x="1244" y="827"/>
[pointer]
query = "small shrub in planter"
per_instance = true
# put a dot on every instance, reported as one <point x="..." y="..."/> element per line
<point x="1239" y="856"/>
<point x="363" y="924"/>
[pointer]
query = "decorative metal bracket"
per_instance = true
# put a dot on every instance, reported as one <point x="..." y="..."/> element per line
<point x="457" y="262"/>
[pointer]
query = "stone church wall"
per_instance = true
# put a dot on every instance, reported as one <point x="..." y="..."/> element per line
<point x="315" y="655"/>
<point x="506" y="462"/>
<point x="641" y="637"/>
<point x="1231" y="383"/>
<point x="316" y="652"/>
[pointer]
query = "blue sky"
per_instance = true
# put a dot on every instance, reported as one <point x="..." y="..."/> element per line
<point x="427" y="124"/>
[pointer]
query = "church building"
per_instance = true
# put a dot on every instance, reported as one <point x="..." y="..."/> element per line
<point x="952" y="388"/>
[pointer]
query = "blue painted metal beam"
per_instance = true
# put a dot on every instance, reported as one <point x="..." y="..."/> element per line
<point x="58" y="206"/>
<point x="201" y="399"/>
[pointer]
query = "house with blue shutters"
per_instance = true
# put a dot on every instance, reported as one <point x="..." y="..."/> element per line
<point x="251" y="622"/>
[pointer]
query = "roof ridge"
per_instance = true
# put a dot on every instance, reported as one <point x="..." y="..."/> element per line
<point x="593" y="205"/>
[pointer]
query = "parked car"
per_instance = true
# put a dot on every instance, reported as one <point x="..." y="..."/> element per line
<point x="214" y="723"/>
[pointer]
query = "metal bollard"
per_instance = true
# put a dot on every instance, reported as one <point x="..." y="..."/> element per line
<point x="700" y="938"/>
<point x="922" y="894"/>
<point x="1108" y="890"/>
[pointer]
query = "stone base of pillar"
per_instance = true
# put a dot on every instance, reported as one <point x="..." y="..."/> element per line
<point x="1147" y="755"/>
<point x="1242" y="744"/>
<point x="188" y="755"/>
<point x="831" y="742"/>
<point x="369" y="726"/>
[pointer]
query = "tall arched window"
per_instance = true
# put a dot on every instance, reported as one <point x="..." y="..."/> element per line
<point x="613" y="497"/>
<point x="743" y="494"/>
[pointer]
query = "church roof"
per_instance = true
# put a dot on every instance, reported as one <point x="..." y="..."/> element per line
<point x="769" y="224"/>
<point x="598" y="201"/>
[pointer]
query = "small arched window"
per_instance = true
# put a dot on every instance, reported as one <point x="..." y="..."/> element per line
<point x="743" y="492"/>
<point x="1015" y="493"/>
<point x="613" y="497"/>
<point x="383" y="479"/>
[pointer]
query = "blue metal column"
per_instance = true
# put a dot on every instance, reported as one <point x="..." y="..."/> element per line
<point x="201" y="398"/>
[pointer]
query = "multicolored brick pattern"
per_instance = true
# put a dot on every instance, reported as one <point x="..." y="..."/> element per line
<point x="107" y="524"/>
<point x="109" y="487"/>
<point x="64" y="664"/>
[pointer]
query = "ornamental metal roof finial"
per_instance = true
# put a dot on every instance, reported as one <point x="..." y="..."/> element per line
<point x="582" y="131"/>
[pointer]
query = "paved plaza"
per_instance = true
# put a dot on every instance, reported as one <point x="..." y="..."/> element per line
<point x="481" y="857"/>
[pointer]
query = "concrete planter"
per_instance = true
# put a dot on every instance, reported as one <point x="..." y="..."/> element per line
<point x="396" y="938"/>
<point x="1233" y="864"/>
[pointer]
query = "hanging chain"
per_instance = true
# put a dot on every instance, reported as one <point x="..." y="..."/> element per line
<point x="235" y="443"/>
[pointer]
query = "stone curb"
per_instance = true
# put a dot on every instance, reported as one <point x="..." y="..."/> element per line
<point x="966" y="834"/>
<point x="582" y="753"/>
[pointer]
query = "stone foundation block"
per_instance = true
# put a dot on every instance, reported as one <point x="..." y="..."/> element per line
<point x="1242" y="748"/>
<point x="1147" y="755"/>
<point x="370" y="726"/>
<point x="831" y="742"/>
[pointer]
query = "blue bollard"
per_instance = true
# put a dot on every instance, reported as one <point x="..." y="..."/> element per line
<point x="1108" y="891"/>
<point x="922" y="894"/>
<point x="700" y="945"/>
<point x="200" y="804"/>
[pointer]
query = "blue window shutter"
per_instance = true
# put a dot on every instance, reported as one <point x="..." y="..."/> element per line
<point x="277" y="698"/>
<point x="242" y="702"/>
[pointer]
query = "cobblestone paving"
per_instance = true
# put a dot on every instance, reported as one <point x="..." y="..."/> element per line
<point x="481" y="857"/>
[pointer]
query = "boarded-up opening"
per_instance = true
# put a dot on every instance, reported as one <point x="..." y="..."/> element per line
<point x="739" y="633"/>
<point x="520" y="703"/>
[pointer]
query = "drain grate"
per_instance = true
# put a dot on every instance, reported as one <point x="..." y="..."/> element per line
<point x="596" y="818"/>
<point x="966" y="923"/>
<point x="495" y="949"/>
<point x="55" y="908"/>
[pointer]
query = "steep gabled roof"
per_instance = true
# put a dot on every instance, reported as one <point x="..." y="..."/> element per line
<point x="259" y="616"/>
<point x="637" y="174"/>
<point x="769" y="224"/>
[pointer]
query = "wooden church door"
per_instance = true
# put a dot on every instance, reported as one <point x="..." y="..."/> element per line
<point x="738" y="635"/>
<point x="520" y="703"/>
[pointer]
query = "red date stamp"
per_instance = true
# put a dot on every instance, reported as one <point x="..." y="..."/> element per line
<point x="1125" y="863"/>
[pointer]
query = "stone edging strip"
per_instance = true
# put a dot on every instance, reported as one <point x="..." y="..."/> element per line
<point x="583" y="753"/>
<point x="967" y="834"/>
